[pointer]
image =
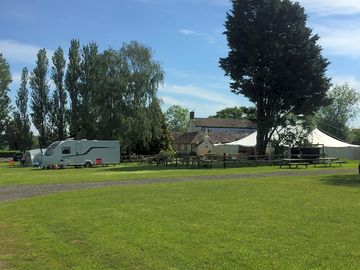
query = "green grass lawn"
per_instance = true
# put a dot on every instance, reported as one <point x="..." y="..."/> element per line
<point x="267" y="223"/>
<point x="19" y="175"/>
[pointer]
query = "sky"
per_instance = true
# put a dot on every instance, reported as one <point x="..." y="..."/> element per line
<point x="186" y="37"/>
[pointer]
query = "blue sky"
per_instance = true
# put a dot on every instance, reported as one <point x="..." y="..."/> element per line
<point x="185" y="35"/>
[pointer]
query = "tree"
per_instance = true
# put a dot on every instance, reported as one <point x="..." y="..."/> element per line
<point x="344" y="107"/>
<point x="144" y="77"/>
<point x="21" y="134"/>
<point x="58" y="103"/>
<point x="177" y="118"/>
<point x="40" y="103"/>
<point x="355" y="136"/>
<point x="72" y="78"/>
<point x="242" y="112"/>
<point x="114" y="79"/>
<point x="161" y="139"/>
<point x="5" y="80"/>
<point x="275" y="61"/>
<point x="88" y="89"/>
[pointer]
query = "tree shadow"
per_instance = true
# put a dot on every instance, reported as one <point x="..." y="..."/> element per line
<point x="350" y="180"/>
<point x="148" y="168"/>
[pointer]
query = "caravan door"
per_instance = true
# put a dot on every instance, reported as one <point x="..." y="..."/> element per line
<point x="78" y="157"/>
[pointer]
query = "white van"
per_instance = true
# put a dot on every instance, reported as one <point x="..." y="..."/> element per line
<point x="85" y="153"/>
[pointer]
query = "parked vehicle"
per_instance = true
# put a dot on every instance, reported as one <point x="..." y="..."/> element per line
<point x="85" y="153"/>
<point x="33" y="157"/>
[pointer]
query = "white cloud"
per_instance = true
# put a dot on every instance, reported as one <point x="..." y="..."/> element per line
<point x="201" y="109"/>
<point x="188" y="32"/>
<point x="205" y="102"/>
<point x="332" y="7"/>
<point x="19" y="52"/>
<point x="192" y="92"/>
<point x="340" y="39"/>
<point x="351" y="80"/>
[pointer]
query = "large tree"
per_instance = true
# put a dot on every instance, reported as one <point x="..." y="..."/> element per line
<point x="72" y="84"/>
<point x="40" y="100"/>
<point x="5" y="80"/>
<point x="88" y="90"/>
<point x="177" y="118"/>
<point x="58" y="102"/>
<point x="21" y="136"/>
<point x="144" y="77"/>
<point x="344" y="107"/>
<point x="275" y="61"/>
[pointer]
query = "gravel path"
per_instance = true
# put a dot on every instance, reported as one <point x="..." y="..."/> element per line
<point x="10" y="193"/>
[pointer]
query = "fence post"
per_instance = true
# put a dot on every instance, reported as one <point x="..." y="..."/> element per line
<point x="224" y="163"/>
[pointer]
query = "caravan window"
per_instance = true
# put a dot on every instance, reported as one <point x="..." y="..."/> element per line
<point x="66" y="150"/>
<point x="50" y="150"/>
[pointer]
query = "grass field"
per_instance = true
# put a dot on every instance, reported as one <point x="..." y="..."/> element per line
<point x="20" y="175"/>
<point x="15" y="176"/>
<point x="267" y="223"/>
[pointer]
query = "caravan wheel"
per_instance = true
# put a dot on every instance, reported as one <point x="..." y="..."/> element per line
<point x="87" y="165"/>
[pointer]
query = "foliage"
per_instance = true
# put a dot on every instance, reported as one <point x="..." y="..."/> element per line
<point x="5" y="80"/>
<point x="40" y="101"/>
<point x="88" y="88"/>
<point x="293" y="133"/>
<point x="355" y="136"/>
<point x="18" y="132"/>
<point x="344" y="107"/>
<point x="161" y="138"/>
<point x="274" y="60"/>
<point x="113" y="95"/>
<point x="280" y="223"/>
<point x="241" y="112"/>
<point x="7" y="153"/>
<point x="144" y="77"/>
<point x="59" y="98"/>
<point x="72" y="78"/>
<point x="177" y="118"/>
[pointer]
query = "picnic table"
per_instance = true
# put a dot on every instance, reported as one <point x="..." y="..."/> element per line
<point x="294" y="162"/>
<point x="327" y="161"/>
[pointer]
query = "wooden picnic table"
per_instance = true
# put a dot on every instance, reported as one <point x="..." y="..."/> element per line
<point x="327" y="161"/>
<point x="294" y="162"/>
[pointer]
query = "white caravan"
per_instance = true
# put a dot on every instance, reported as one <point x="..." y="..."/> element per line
<point x="81" y="153"/>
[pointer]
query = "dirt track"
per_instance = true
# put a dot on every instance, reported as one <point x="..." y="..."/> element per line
<point x="10" y="193"/>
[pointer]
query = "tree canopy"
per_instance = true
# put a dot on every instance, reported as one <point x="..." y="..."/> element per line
<point x="242" y="112"/>
<point x="334" y="118"/>
<point x="5" y="80"/>
<point x="112" y="95"/>
<point x="40" y="100"/>
<point x="275" y="61"/>
<point x="177" y="118"/>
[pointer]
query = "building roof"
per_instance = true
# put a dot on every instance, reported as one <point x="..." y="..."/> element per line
<point x="185" y="137"/>
<point x="223" y="123"/>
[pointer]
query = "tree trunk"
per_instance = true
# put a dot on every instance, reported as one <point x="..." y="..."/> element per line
<point x="262" y="131"/>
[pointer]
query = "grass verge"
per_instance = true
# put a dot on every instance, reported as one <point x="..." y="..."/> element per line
<point x="268" y="223"/>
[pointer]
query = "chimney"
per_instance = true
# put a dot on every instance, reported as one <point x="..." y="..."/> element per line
<point x="192" y="115"/>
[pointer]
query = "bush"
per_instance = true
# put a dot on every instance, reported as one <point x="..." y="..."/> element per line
<point x="7" y="153"/>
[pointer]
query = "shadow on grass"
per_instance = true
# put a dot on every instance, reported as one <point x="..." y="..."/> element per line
<point x="352" y="180"/>
<point x="148" y="168"/>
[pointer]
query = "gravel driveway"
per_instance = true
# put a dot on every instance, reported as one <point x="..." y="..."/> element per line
<point x="10" y="193"/>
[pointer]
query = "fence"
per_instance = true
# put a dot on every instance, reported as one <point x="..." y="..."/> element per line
<point x="205" y="161"/>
